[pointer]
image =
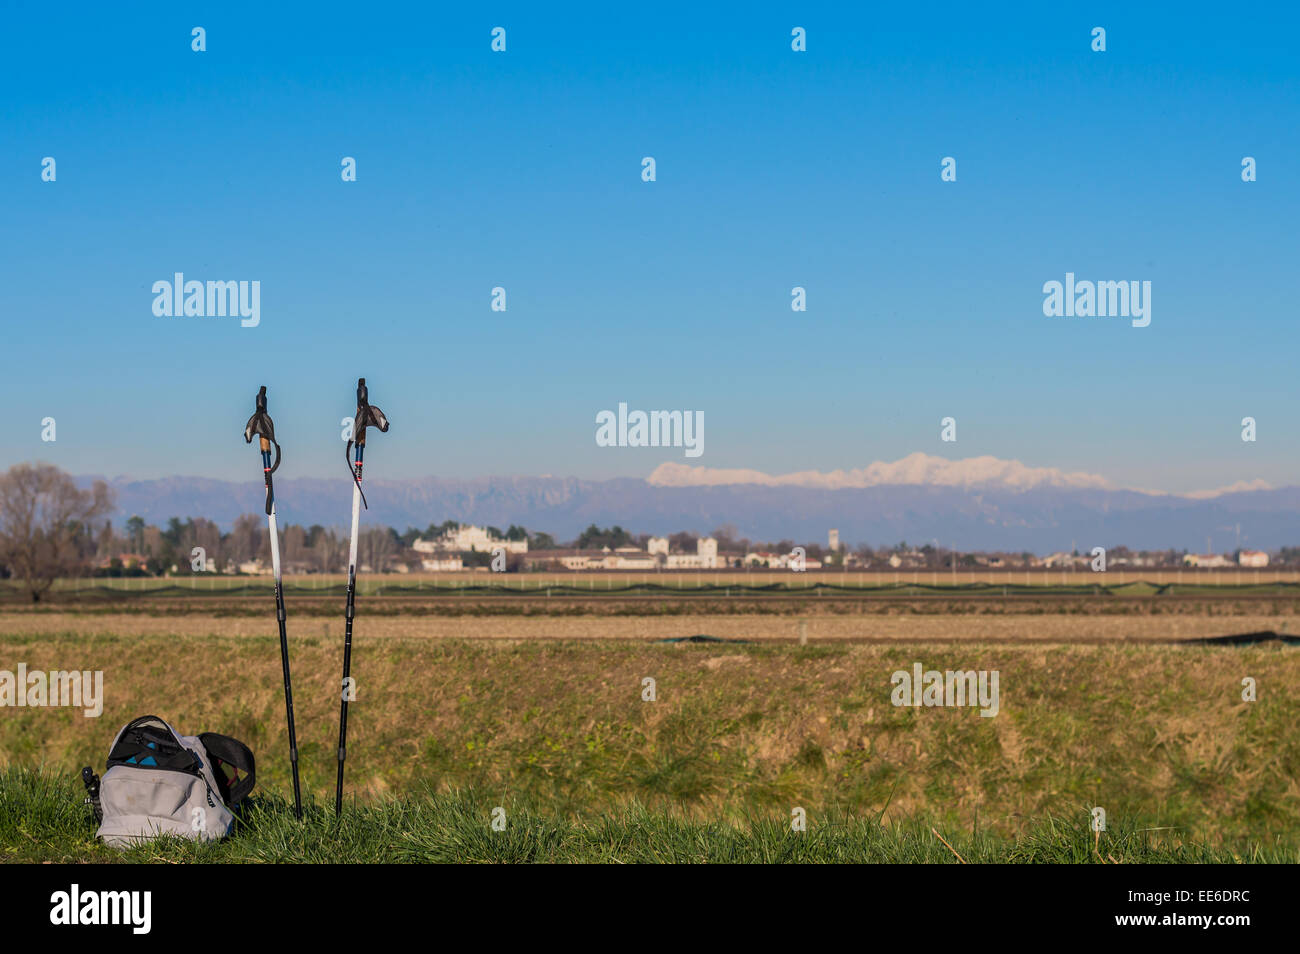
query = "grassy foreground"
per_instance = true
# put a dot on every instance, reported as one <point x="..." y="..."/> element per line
<point x="42" y="820"/>
<point x="559" y="734"/>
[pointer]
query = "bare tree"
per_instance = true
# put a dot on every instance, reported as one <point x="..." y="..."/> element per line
<point x="247" y="538"/>
<point x="375" y="548"/>
<point x="202" y="532"/>
<point x="107" y="543"/>
<point x="46" y="524"/>
<point x="328" y="552"/>
<point x="293" y="546"/>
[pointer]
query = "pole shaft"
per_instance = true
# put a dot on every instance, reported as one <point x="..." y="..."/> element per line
<point x="343" y="711"/>
<point x="347" y="635"/>
<point x="284" y="640"/>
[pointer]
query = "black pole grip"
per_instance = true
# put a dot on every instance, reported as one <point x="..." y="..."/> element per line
<point x="260" y="424"/>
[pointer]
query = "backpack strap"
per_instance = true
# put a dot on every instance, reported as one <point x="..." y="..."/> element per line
<point x="233" y="764"/>
<point x="149" y="742"/>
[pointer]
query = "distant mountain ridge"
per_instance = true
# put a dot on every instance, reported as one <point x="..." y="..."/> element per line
<point x="912" y="470"/>
<point x="989" y="516"/>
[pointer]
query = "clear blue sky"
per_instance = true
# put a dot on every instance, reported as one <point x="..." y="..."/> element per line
<point x="775" y="169"/>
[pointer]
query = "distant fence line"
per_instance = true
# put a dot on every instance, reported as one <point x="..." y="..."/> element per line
<point x="722" y="582"/>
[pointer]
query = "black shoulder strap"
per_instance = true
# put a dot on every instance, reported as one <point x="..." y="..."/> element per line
<point x="235" y="768"/>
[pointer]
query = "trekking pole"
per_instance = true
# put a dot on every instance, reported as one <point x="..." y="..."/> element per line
<point x="261" y="425"/>
<point x="367" y="416"/>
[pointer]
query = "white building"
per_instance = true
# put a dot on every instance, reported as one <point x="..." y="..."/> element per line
<point x="1207" y="560"/>
<point x="1058" y="560"/>
<point x="442" y="564"/>
<point x="630" y="558"/>
<point x="779" y="561"/>
<point x="624" y="558"/>
<point x="467" y="538"/>
<point x="705" y="556"/>
<point x="1252" y="558"/>
<point x="833" y="541"/>
<point x="657" y="545"/>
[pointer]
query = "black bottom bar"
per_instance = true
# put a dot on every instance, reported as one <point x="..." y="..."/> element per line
<point x="920" y="906"/>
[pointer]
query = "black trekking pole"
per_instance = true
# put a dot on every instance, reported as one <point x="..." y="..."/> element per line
<point x="261" y="425"/>
<point x="367" y="416"/>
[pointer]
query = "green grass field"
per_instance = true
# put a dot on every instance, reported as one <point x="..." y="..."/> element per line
<point x="41" y="819"/>
<point x="558" y="733"/>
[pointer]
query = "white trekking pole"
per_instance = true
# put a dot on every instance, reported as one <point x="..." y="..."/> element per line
<point x="261" y="425"/>
<point x="367" y="416"/>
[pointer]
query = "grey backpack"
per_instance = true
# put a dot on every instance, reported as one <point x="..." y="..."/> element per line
<point x="161" y="782"/>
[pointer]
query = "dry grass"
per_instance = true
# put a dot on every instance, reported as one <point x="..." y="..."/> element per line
<point x="1152" y="731"/>
<point x="993" y="628"/>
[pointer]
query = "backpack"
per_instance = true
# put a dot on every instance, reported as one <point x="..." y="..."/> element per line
<point x="161" y="782"/>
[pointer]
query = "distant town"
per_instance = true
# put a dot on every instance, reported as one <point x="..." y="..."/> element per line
<point x="199" y="546"/>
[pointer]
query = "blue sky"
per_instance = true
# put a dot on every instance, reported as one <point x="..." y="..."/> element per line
<point x="774" y="169"/>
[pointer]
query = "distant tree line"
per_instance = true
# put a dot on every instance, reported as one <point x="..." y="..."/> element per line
<point x="51" y="528"/>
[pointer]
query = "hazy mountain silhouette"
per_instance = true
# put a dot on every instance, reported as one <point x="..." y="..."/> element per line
<point x="988" y="517"/>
